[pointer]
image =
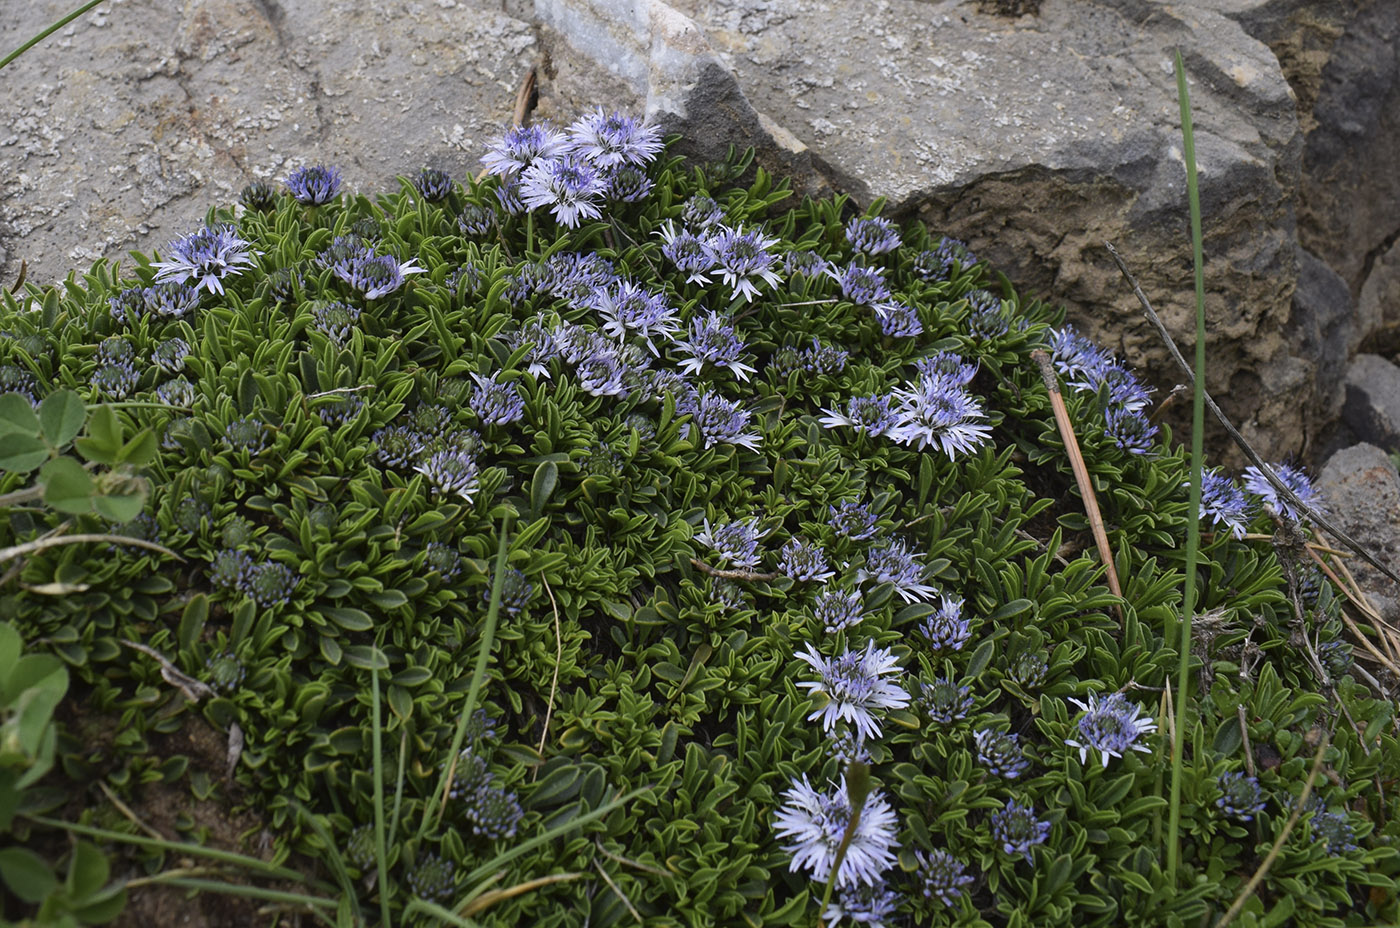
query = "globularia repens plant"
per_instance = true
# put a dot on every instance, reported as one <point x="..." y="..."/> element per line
<point x="789" y="499"/>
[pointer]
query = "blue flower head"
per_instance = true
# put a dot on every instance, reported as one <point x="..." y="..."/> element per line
<point x="270" y="583"/>
<point x="853" y="520"/>
<point x="814" y="824"/>
<point x="523" y="146"/>
<point x="736" y="543"/>
<point x="340" y="409"/>
<point x="803" y="560"/>
<point x="177" y="392"/>
<point x="743" y="259"/>
<point x="626" y="184"/>
<point x="898" y="320"/>
<point x="128" y="305"/>
<point x="712" y="342"/>
<point x="855" y="687"/>
<point x="837" y="609"/>
<point x="1017" y="829"/>
<point x="946" y="627"/>
<point x="516" y="591"/>
<point x="895" y="563"/>
<point x="818" y="358"/>
<point x="443" y="560"/>
<point x="1000" y="753"/>
<point x="1223" y="503"/>
<point x="937" y="411"/>
<point x="941" y="876"/>
<point x="171" y="299"/>
<point x="475" y="221"/>
<point x="701" y="212"/>
<point x="258" y="196"/>
<point x="1110" y="725"/>
<point x="433" y="185"/>
<point x="687" y="252"/>
<point x="629" y="309"/>
<point x="945" y="701"/>
<point x="1334" y="830"/>
<point x="1240" y="796"/>
<point x="226" y="672"/>
<point x="872" y="236"/>
<point x="869" y="415"/>
<point x="569" y="185"/>
<point x="376" y="275"/>
<point x="114" y="381"/>
<point x="496" y="403"/>
<point x="1130" y="429"/>
<point x="1292" y="477"/>
<point x="723" y="421"/>
<point x="205" y="257"/>
<point x="433" y="878"/>
<point x="940" y="262"/>
<point x="398" y="446"/>
<point x="614" y="139"/>
<point x="808" y="264"/>
<point x="451" y="472"/>
<point x="335" y="320"/>
<point x="862" y="285"/>
<point x="864" y="905"/>
<point x="314" y="185"/>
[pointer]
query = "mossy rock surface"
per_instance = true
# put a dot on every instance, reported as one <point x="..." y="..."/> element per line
<point x="691" y="509"/>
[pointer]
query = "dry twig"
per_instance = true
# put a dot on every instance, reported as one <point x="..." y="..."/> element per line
<point x="1081" y="471"/>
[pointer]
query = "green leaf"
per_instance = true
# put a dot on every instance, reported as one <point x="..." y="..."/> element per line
<point x="141" y="450"/>
<point x="26" y="874"/>
<point x="22" y="453"/>
<point x="192" y="620"/>
<point x="67" y="486"/>
<point x="352" y="620"/>
<point x="17" y="416"/>
<point x="1011" y="610"/>
<point x="542" y="486"/>
<point x="87" y="871"/>
<point x="120" y="509"/>
<point x="981" y="658"/>
<point x="61" y="416"/>
<point x="104" y="437"/>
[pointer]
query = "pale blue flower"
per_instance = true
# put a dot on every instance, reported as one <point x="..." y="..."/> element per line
<point x="1292" y="477"/>
<point x="451" y="472"/>
<point x="522" y="146"/>
<point x="814" y="824"/>
<point x="568" y="185"/>
<point x="205" y="257"/>
<point x="496" y="403"/>
<point x="938" y="411"/>
<point x="742" y="258"/>
<point x="1240" y="796"/>
<point x="1110" y="725"/>
<point x="946" y="627"/>
<point x="1000" y="753"/>
<point x="872" y="236"/>
<point x="689" y="254"/>
<point x="433" y="184"/>
<point x="853" y="520"/>
<point x="614" y="139"/>
<point x="1017" y="830"/>
<point x="712" y="342"/>
<point x="723" y="421"/>
<point x="862" y="285"/>
<point x="736" y="543"/>
<point x="863" y="905"/>
<point x="314" y="185"/>
<point x="870" y="415"/>
<point x="804" y="561"/>
<point x="894" y="563"/>
<point x="1223" y="503"/>
<point x="839" y="609"/>
<point x="854" y="687"/>
<point x="944" y="700"/>
<point x="629" y="309"/>
<point x="377" y="275"/>
<point x="941" y="876"/>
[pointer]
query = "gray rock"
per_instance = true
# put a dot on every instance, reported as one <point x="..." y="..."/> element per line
<point x="1350" y="204"/>
<point x="1378" y="307"/>
<point x="1372" y="405"/>
<point x="1361" y="489"/>
<point x="130" y="123"/>
<point x="664" y="59"/>
<point x="1323" y="328"/>
<point x="1037" y="138"/>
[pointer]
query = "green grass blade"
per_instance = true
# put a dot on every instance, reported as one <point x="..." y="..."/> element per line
<point x="47" y="32"/>
<point x="437" y="911"/>
<point x="381" y="851"/>
<point x="335" y="859"/>
<point x="1193" y="521"/>
<point x="488" y="638"/>
<point x="505" y="857"/>
<point x="251" y="892"/>
<point x="261" y="867"/>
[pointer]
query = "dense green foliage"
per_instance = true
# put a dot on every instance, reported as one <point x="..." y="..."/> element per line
<point x="312" y="563"/>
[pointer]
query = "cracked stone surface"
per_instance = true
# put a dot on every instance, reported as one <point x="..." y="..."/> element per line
<point x="1361" y="487"/>
<point x="135" y="119"/>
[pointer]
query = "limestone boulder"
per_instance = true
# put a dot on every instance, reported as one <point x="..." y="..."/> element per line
<point x="126" y="126"/>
